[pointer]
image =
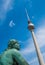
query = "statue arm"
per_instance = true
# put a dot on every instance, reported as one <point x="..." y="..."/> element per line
<point x="20" y="59"/>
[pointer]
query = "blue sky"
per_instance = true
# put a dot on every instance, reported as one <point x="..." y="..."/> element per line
<point x="13" y="25"/>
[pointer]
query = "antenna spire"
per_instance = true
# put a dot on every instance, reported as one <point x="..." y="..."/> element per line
<point x="27" y="15"/>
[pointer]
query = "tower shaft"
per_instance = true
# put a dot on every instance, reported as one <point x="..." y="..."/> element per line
<point x="40" y="58"/>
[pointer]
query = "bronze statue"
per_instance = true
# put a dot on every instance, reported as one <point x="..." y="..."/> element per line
<point x="11" y="55"/>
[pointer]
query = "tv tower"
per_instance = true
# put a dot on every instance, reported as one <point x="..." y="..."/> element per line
<point x="31" y="28"/>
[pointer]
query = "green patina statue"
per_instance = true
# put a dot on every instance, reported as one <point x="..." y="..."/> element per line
<point x="12" y="56"/>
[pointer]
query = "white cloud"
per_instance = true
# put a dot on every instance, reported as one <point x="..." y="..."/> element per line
<point x="36" y="59"/>
<point x="11" y="24"/>
<point x="28" y="50"/>
<point x="41" y="36"/>
<point x="5" y="7"/>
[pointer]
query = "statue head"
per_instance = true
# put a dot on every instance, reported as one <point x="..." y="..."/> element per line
<point x="13" y="44"/>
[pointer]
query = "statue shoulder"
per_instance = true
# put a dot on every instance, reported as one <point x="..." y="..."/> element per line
<point x="14" y="50"/>
<point x="11" y="51"/>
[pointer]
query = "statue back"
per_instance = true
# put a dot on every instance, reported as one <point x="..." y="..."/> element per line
<point x="12" y="57"/>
